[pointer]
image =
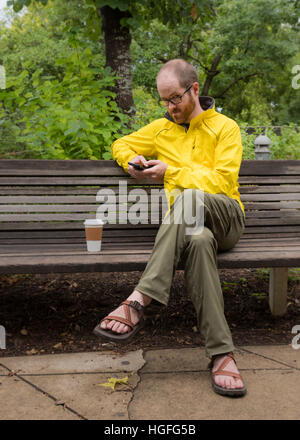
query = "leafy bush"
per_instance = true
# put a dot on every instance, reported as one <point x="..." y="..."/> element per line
<point x="287" y="145"/>
<point x="284" y="145"/>
<point x="147" y="108"/>
<point x="74" y="117"/>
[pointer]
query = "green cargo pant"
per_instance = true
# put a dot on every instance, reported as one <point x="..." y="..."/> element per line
<point x="223" y="224"/>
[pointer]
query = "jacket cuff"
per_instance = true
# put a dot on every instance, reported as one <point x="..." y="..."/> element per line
<point x="170" y="174"/>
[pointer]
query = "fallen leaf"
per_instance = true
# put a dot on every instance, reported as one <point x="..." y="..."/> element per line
<point x="60" y="402"/>
<point x="13" y="372"/>
<point x="32" y="351"/>
<point x="58" y="345"/>
<point x="24" y="332"/>
<point x="113" y="381"/>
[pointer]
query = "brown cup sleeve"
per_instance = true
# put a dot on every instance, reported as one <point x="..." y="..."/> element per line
<point x="93" y="234"/>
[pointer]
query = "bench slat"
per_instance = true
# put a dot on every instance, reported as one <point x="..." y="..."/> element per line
<point x="137" y="261"/>
<point x="271" y="205"/>
<point x="255" y="221"/>
<point x="80" y="181"/>
<point x="280" y="213"/>
<point x="270" y="167"/>
<point x="269" y="180"/>
<point x="75" y="167"/>
<point x="36" y="167"/>
<point x="142" y="207"/>
<point x="273" y="221"/>
<point x="270" y="197"/>
<point x="254" y="189"/>
<point x="83" y="180"/>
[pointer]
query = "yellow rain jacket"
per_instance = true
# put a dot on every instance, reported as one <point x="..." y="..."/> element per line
<point x="205" y="154"/>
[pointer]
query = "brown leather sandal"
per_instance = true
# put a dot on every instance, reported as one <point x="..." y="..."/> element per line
<point x="235" y="392"/>
<point x="122" y="337"/>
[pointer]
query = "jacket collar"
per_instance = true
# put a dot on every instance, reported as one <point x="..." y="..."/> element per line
<point x="208" y="105"/>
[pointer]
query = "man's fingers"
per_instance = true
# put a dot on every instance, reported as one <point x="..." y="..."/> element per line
<point x="139" y="160"/>
<point x="153" y="162"/>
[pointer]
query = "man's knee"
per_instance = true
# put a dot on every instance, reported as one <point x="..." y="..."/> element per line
<point x="203" y="240"/>
<point x="189" y="209"/>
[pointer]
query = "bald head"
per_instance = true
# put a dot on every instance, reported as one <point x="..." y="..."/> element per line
<point x="178" y="79"/>
<point x="179" y="70"/>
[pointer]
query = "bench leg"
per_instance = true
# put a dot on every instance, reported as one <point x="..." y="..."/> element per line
<point x="278" y="290"/>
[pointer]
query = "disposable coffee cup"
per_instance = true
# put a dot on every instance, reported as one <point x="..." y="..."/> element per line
<point x="93" y="233"/>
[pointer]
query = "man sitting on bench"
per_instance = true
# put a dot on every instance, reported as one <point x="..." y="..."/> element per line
<point x="198" y="151"/>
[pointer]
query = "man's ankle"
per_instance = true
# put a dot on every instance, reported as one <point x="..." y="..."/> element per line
<point x="141" y="298"/>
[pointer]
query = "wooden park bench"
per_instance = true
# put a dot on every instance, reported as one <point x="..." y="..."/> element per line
<point x="43" y="204"/>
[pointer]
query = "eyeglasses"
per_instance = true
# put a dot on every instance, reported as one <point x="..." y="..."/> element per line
<point x="176" y="99"/>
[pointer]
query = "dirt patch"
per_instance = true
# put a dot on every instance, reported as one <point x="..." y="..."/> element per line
<point x="56" y="313"/>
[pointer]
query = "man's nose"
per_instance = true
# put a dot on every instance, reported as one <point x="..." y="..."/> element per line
<point x="171" y="103"/>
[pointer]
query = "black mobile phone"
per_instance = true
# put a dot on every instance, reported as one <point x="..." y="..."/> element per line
<point x="136" y="166"/>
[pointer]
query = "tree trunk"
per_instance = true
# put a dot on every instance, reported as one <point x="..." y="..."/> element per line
<point x="117" y="50"/>
<point x="211" y="74"/>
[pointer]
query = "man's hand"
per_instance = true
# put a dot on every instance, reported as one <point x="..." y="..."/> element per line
<point x="140" y="160"/>
<point x="156" y="172"/>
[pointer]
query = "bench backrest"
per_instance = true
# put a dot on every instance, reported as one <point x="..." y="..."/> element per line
<point x="51" y="198"/>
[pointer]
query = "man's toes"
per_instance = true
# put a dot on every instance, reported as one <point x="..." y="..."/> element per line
<point x="119" y="327"/>
<point x="228" y="382"/>
<point x="239" y="383"/>
<point x="220" y="381"/>
<point x="115" y="326"/>
<point x="103" y="325"/>
<point x="234" y="383"/>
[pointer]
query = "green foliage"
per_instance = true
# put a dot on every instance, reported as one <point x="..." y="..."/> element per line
<point x="248" y="143"/>
<point x="147" y="108"/>
<point x="257" y="39"/>
<point x="287" y="145"/>
<point x="285" y="141"/>
<point x="73" y="117"/>
<point x="58" y="101"/>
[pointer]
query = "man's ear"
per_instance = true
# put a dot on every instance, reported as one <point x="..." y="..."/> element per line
<point x="196" y="88"/>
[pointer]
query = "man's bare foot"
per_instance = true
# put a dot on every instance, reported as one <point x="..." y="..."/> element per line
<point x="119" y="327"/>
<point x="231" y="379"/>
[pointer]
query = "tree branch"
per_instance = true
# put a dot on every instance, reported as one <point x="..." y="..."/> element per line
<point x="247" y="46"/>
<point x="212" y="72"/>
<point x="197" y="61"/>
<point x="233" y="83"/>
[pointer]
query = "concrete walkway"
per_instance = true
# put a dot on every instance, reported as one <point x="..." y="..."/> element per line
<point x="166" y="384"/>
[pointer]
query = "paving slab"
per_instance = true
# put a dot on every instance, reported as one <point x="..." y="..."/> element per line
<point x="3" y="371"/>
<point x="166" y="384"/>
<point x="194" y="359"/>
<point x="83" y="393"/>
<point x="20" y="401"/>
<point x="76" y="362"/>
<point x="74" y="379"/>
<point x="285" y="355"/>
<point x="272" y="395"/>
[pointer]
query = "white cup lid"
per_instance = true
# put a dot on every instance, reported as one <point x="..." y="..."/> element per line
<point x="93" y="222"/>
